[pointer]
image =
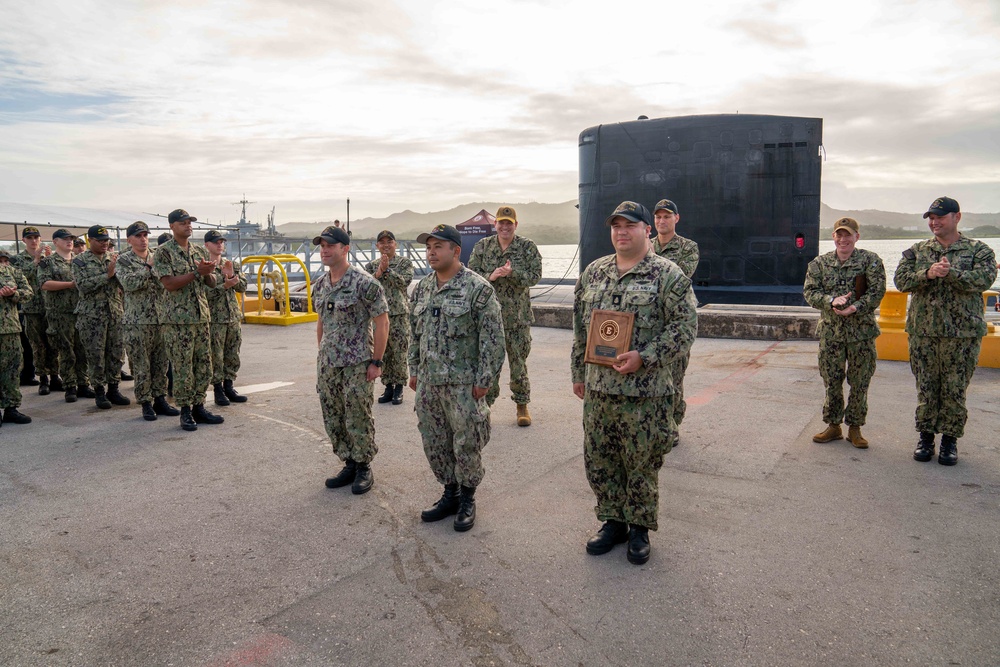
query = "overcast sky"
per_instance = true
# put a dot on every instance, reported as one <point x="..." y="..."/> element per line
<point x="424" y="105"/>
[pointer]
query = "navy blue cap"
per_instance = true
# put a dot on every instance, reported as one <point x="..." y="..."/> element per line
<point x="942" y="206"/>
<point x="333" y="235"/>
<point x="214" y="235"/>
<point x="443" y="232"/>
<point x="136" y="227"/>
<point x="633" y="211"/>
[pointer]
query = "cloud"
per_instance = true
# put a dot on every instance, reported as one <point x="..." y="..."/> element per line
<point x="770" y="34"/>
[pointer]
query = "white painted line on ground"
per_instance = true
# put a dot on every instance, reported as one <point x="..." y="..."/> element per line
<point x="257" y="388"/>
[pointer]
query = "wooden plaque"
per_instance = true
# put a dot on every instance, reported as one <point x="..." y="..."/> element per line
<point x="609" y="335"/>
<point x="860" y="286"/>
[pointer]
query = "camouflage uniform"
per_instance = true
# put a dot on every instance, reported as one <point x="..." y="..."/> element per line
<point x="11" y="354"/>
<point x="184" y="316"/>
<point x="458" y="344"/>
<point x="846" y="341"/>
<point x="141" y="325"/>
<point x="346" y="310"/>
<point x="99" y="317"/>
<point x="684" y="253"/>
<point x="945" y="324"/>
<point x="46" y="359"/>
<point x="227" y="334"/>
<point x="628" y="419"/>
<point x="395" y="281"/>
<point x="59" y="313"/>
<point x="513" y="292"/>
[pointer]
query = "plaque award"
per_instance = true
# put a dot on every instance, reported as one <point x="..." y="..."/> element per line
<point x="609" y="335"/>
<point x="860" y="286"/>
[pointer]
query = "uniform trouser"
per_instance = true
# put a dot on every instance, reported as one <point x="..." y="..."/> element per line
<point x="454" y="428"/>
<point x="625" y="440"/>
<point x="148" y="358"/>
<point x="855" y="361"/>
<point x="104" y="347"/>
<point x="345" y="396"/>
<point x="189" y="349"/>
<point x="677" y="371"/>
<point x="227" y="337"/>
<point x="66" y="340"/>
<point x="943" y="368"/>
<point x="394" y="370"/>
<point x="46" y="359"/>
<point x="518" y="343"/>
<point x="10" y="370"/>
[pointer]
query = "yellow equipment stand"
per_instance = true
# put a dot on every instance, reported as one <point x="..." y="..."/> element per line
<point x="893" y="343"/>
<point x="283" y="315"/>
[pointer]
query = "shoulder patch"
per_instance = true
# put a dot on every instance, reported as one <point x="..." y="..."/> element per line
<point x="483" y="298"/>
<point x="79" y="262"/>
<point x="371" y="294"/>
<point x="909" y="254"/>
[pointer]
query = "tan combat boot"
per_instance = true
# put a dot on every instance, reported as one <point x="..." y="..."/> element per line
<point x="523" y="418"/>
<point x="832" y="432"/>
<point x="854" y="435"/>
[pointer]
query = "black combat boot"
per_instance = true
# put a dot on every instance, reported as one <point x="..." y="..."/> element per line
<point x="611" y="533"/>
<point x="71" y="395"/>
<point x="231" y="393"/>
<point x="638" y="545"/>
<point x="344" y="477"/>
<point x="387" y="394"/>
<point x="446" y="505"/>
<point x="925" y="447"/>
<point x="43" y="385"/>
<point x="363" y="479"/>
<point x="397" y="394"/>
<point x="115" y="396"/>
<point x="12" y="416"/>
<point x="220" y="396"/>
<point x="126" y="377"/>
<point x="187" y="421"/>
<point x="466" y="517"/>
<point x="101" y="398"/>
<point x="29" y="381"/>
<point x="55" y="383"/>
<point x="84" y="391"/>
<point x="949" y="450"/>
<point x="161" y="407"/>
<point x="203" y="416"/>
<point x="148" y="413"/>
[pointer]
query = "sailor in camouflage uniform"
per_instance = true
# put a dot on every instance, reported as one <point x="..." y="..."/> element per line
<point x="99" y="316"/>
<point x="14" y="289"/>
<point x="684" y="253"/>
<point x="846" y="286"/>
<point x="55" y="275"/>
<point x="395" y="274"/>
<point x="350" y="304"/>
<point x="456" y="352"/>
<point x="513" y="265"/>
<point x="45" y="358"/>
<point x="946" y="276"/>
<point x="185" y="270"/>
<point x="227" y="333"/>
<point x="627" y="409"/>
<point x="143" y="293"/>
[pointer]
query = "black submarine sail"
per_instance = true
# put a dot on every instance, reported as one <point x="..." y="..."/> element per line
<point x="747" y="188"/>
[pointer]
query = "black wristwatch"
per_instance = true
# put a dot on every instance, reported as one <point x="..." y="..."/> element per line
<point x="377" y="363"/>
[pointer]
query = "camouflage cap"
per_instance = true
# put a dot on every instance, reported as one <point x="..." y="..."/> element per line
<point x="137" y="227"/>
<point x="98" y="233"/>
<point x="180" y="215"/>
<point x="163" y="238"/>
<point x="850" y="224"/>
<point x="213" y="236"/>
<point x="630" y="210"/>
<point x="385" y="233"/>
<point x="666" y="205"/>
<point x="443" y="232"/>
<point x="30" y="231"/>
<point x="79" y="240"/>
<point x="63" y="234"/>
<point x="506" y="213"/>
<point x="4" y="253"/>
<point x="942" y="206"/>
<point x="332" y="235"/>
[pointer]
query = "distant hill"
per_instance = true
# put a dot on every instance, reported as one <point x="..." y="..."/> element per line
<point x="888" y="225"/>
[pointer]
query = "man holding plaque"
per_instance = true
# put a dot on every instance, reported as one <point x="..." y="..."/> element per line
<point x="625" y="376"/>
<point x="846" y="286"/>
<point x="946" y="276"/>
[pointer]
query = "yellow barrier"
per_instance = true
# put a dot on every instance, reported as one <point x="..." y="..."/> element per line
<point x="283" y="313"/>
<point x="893" y="344"/>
